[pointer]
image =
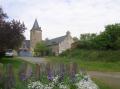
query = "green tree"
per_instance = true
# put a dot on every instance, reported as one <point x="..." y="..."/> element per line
<point x="87" y="36"/>
<point x="86" y="40"/>
<point x="11" y="33"/>
<point x="75" y="39"/>
<point x="110" y="38"/>
<point x="41" y="49"/>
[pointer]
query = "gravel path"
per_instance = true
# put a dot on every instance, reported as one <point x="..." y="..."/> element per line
<point x="34" y="59"/>
<point x="110" y="78"/>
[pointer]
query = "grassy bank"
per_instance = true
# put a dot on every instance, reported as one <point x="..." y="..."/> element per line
<point x="89" y="65"/>
<point x="91" y="60"/>
<point x="93" y="55"/>
<point x="101" y="84"/>
<point x="16" y="63"/>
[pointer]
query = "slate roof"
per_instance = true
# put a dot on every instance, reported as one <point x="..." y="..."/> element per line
<point x="36" y="25"/>
<point x="55" y="40"/>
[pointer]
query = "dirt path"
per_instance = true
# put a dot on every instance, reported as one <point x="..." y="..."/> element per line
<point x="112" y="79"/>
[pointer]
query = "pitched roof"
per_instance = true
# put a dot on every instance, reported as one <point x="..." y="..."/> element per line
<point x="55" y="40"/>
<point x="36" y="25"/>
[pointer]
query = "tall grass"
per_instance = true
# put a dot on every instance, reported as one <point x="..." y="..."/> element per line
<point x="93" y="55"/>
<point x="92" y="60"/>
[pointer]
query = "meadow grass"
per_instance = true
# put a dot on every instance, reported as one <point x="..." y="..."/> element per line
<point x="16" y="63"/>
<point x="91" y="60"/>
<point x="101" y="84"/>
<point x="93" y="55"/>
<point x="88" y="65"/>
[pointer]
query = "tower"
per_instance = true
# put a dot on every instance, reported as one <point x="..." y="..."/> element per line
<point x="35" y="35"/>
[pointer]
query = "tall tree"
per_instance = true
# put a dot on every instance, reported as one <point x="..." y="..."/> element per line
<point x="110" y="38"/>
<point x="2" y="14"/>
<point x="11" y="33"/>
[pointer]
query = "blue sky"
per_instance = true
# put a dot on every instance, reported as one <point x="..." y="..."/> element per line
<point x="58" y="16"/>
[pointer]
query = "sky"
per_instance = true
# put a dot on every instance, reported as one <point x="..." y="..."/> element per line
<point x="56" y="17"/>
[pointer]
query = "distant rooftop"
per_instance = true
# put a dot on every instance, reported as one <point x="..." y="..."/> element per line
<point x="55" y="40"/>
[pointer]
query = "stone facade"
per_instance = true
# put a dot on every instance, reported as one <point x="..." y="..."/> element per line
<point x="66" y="43"/>
<point x="60" y="44"/>
<point x="57" y="45"/>
<point x="35" y="35"/>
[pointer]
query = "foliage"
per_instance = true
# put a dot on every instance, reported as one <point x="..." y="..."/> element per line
<point x="2" y="14"/>
<point x="62" y="76"/>
<point x="87" y="36"/>
<point x="106" y="40"/>
<point x="16" y="63"/>
<point x="75" y="39"/>
<point x="89" y="65"/>
<point x="11" y="33"/>
<point x="93" y="55"/>
<point x="41" y="49"/>
<point x="110" y="38"/>
<point x="85" y="41"/>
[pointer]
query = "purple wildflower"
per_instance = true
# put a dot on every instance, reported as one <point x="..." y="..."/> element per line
<point x="49" y="72"/>
<point x="62" y="72"/>
<point x="22" y="73"/>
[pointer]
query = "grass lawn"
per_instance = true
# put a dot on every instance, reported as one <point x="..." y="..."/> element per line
<point x="101" y="84"/>
<point x="89" y="65"/>
<point x="16" y="62"/>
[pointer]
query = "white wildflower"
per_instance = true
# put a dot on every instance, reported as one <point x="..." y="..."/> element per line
<point x="86" y="83"/>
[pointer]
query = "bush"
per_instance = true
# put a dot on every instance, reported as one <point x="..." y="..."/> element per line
<point x="93" y="55"/>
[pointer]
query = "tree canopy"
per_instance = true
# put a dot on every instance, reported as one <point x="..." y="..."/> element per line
<point x="41" y="49"/>
<point x="11" y="32"/>
<point x="108" y="39"/>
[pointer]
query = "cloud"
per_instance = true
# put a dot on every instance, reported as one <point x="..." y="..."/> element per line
<point x="57" y="16"/>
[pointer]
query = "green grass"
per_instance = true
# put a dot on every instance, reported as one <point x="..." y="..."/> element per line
<point x="93" y="55"/>
<point x="93" y="60"/>
<point x="16" y="63"/>
<point x="101" y="84"/>
<point x="89" y="65"/>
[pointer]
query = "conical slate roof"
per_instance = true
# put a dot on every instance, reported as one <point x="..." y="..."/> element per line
<point x="36" y="26"/>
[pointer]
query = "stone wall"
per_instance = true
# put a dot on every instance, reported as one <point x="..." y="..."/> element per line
<point x="35" y="37"/>
<point x="65" y="44"/>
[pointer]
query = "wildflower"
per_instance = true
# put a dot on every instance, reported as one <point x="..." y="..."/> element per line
<point x="62" y="72"/>
<point x="22" y="72"/>
<point x="49" y="72"/>
<point x="9" y="79"/>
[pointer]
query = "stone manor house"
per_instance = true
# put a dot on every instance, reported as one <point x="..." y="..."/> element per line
<point x="57" y="45"/>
